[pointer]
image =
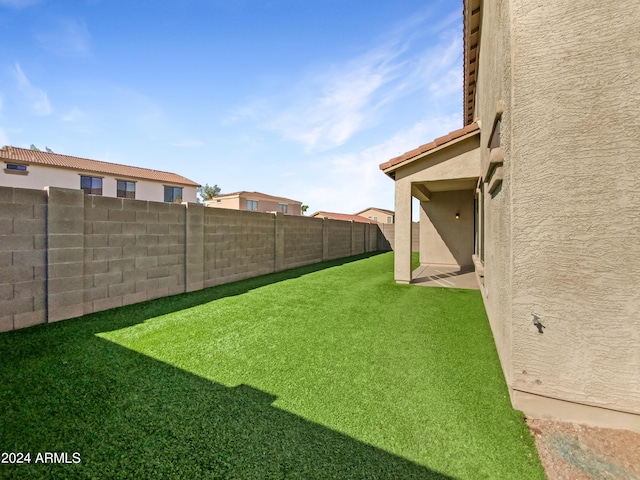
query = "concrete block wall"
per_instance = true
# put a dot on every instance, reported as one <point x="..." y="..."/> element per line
<point x="303" y="240"/>
<point x="339" y="237"/>
<point x="22" y="257"/>
<point x="386" y="239"/>
<point x="64" y="254"/>
<point x="134" y="250"/>
<point x="237" y="245"/>
<point x="358" y="238"/>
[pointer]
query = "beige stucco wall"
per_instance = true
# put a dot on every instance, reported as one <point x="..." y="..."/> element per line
<point x="40" y="176"/>
<point x="561" y="233"/>
<point x="445" y="240"/>
<point x="265" y="204"/>
<point x="381" y="217"/>
<point x="232" y="203"/>
<point x="576" y="201"/>
<point x="458" y="161"/>
<point x="494" y="85"/>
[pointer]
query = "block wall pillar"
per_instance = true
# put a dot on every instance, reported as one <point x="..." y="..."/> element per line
<point x="325" y="239"/>
<point x="65" y="256"/>
<point x="279" y="242"/>
<point x="194" y="247"/>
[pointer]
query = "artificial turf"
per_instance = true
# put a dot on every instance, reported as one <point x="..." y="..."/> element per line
<point x="327" y="371"/>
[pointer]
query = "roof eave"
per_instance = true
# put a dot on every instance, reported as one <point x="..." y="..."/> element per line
<point x="391" y="169"/>
<point x="472" y="12"/>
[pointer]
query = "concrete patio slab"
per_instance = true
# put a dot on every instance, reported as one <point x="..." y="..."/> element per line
<point x="445" y="276"/>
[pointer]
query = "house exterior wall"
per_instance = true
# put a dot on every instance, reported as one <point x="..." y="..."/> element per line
<point x="40" y="176"/>
<point x="381" y="217"/>
<point x="64" y="254"/>
<point x="232" y="203"/>
<point x="265" y="204"/>
<point x="270" y="205"/>
<point x="494" y="85"/>
<point x="445" y="240"/>
<point x="561" y="231"/>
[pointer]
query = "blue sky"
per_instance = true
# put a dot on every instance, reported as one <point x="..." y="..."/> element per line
<point x="297" y="98"/>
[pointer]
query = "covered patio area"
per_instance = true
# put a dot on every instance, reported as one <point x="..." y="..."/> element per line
<point x="445" y="276"/>
<point x="443" y="176"/>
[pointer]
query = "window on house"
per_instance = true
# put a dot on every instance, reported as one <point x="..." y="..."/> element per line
<point x="389" y="219"/>
<point x="173" y="194"/>
<point x="252" y="205"/>
<point x="283" y="207"/>
<point x="91" y="185"/>
<point x="15" y="167"/>
<point x="375" y="219"/>
<point x="494" y="139"/>
<point x="126" y="189"/>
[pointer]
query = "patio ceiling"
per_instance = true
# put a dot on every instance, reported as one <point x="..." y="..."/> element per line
<point x="423" y="190"/>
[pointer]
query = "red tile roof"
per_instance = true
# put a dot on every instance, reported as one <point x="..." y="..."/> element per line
<point x="342" y="216"/>
<point x="92" y="166"/>
<point x="450" y="137"/>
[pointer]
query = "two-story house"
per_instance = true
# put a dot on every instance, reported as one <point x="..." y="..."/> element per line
<point x="255" y="202"/>
<point x="24" y="168"/>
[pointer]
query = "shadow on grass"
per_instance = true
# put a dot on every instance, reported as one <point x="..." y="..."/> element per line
<point x="64" y="389"/>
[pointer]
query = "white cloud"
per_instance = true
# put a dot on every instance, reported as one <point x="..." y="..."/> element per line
<point x="356" y="181"/>
<point x="67" y="37"/>
<point x="343" y="101"/>
<point x="328" y="106"/>
<point x="36" y="98"/>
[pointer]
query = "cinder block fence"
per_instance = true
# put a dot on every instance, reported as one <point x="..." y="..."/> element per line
<point x="64" y="254"/>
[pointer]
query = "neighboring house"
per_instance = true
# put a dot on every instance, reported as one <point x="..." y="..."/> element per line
<point x="255" y="202"/>
<point x="342" y="216"/>
<point x="34" y="169"/>
<point x="379" y="215"/>
<point x="539" y="191"/>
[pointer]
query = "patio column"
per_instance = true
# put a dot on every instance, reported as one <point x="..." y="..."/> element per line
<point x="402" y="241"/>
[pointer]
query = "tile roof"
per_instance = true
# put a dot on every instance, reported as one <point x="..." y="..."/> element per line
<point x="471" y="32"/>
<point x="244" y="193"/>
<point x="342" y="216"/>
<point x="450" y="137"/>
<point x="91" y="166"/>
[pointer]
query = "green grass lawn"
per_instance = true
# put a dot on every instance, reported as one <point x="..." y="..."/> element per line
<point x="327" y="371"/>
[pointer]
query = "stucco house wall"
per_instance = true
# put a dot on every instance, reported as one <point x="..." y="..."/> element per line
<point x="443" y="241"/>
<point x="575" y="123"/>
<point x="561" y="231"/>
<point x="493" y="87"/>
<point x="377" y="215"/>
<point x="266" y="203"/>
<point x="232" y="203"/>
